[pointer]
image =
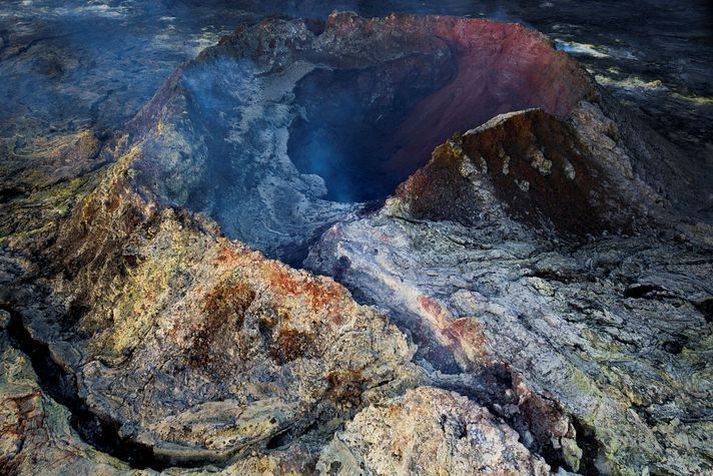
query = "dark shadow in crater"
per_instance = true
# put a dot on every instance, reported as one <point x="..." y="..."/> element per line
<point x="349" y="118"/>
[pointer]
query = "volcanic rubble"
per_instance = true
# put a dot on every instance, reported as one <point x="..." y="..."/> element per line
<point x="223" y="286"/>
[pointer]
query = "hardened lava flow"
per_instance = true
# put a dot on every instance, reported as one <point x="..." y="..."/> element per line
<point x="410" y="244"/>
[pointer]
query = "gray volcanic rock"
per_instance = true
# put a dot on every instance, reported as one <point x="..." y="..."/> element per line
<point x="477" y="258"/>
<point x="428" y="431"/>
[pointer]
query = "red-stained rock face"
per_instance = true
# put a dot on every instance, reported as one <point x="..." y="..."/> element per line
<point x="500" y="68"/>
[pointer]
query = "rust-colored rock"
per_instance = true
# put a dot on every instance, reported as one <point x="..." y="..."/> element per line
<point x="544" y="171"/>
<point x="200" y="348"/>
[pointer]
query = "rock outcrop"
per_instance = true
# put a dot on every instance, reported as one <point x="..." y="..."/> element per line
<point x="197" y="347"/>
<point x="428" y="431"/>
<point x="508" y="251"/>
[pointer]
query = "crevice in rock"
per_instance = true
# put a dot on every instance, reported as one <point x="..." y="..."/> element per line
<point x="706" y="308"/>
<point x="100" y="433"/>
<point x="676" y="344"/>
<point x="11" y="193"/>
<point x="558" y="276"/>
<point x="295" y="255"/>
<point x="644" y="414"/>
<point x="645" y="291"/>
<point x="587" y="441"/>
<point x="493" y="389"/>
<point x="280" y="439"/>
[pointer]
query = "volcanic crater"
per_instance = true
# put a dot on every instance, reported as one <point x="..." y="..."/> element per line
<point x="282" y="129"/>
<point x="461" y="176"/>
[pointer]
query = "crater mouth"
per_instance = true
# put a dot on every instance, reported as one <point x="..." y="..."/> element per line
<point x="364" y="131"/>
<point x="349" y="118"/>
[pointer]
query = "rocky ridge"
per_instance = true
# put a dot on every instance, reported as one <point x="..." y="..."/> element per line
<point x="487" y="259"/>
